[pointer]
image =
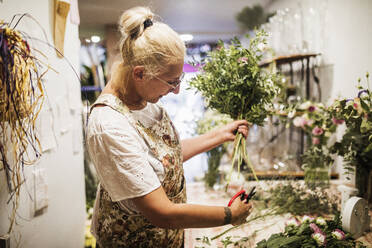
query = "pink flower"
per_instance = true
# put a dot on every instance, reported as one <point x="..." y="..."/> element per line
<point x="242" y="59"/>
<point x="299" y="121"/>
<point x="316" y="141"/>
<point x="311" y="108"/>
<point x="356" y="103"/>
<point x="315" y="228"/>
<point x="337" y="121"/>
<point x="302" y="122"/>
<point x="309" y="122"/>
<point x="338" y="234"/>
<point x="317" y="131"/>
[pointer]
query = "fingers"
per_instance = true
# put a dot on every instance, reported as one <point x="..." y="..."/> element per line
<point x="242" y="122"/>
<point x="243" y="130"/>
<point x="246" y="210"/>
<point x="240" y="210"/>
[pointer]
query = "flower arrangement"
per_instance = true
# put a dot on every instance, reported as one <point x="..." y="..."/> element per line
<point x="314" y="120"/>
<point x="311" y="232"/>
<point x="233" y="83"/>
<point x="356" y="143"/>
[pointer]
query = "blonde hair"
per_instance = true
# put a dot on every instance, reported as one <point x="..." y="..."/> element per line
<point x="155" y="46"/>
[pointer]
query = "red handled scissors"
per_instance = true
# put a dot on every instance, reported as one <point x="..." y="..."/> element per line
<point x="243" y="195"/>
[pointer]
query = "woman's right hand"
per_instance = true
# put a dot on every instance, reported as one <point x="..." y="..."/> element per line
<point x="240" y="211"/>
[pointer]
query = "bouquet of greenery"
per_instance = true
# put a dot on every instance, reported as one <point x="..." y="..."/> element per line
<point x="311" y="232"/>
<point x="356" y="143"/>
<point x="298" y="199"/>
<point x="233" y="83"/>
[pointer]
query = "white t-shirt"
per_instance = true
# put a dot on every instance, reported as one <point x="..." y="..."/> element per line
<point x="125" y="166"/>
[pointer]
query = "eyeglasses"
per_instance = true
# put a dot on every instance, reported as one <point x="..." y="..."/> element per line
<point x="173" y="84"/>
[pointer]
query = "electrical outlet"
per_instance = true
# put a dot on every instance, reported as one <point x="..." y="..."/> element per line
<point x="5" y="241"/>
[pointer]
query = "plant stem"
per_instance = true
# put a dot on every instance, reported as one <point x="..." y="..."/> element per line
<point x="271" y="213"/>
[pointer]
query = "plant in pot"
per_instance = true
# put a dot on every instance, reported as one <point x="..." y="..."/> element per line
<point x="356" y="144"/>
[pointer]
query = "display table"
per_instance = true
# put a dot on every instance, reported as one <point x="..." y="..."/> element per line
<point x="256" y="230"/>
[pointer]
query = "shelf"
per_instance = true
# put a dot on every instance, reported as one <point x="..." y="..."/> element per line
<point x="282" y="175"/>
<point x="280" y="60"/>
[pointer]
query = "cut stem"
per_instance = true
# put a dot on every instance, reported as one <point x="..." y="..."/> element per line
<point x="240" y="154"/>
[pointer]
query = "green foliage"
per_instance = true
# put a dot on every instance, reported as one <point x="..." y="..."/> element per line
<point x="356" y="143"/>
<point x="252" y="17"/>
<point x="233" y="83"/>
<point x="214" y="159"/>
<point x="301" y="236"/>
<point x="314" y="119"/>
<point x="299" y="200"/>
<point x="212" y="120"/>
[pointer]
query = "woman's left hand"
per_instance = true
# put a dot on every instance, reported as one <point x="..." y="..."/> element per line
<point x="230" y="130"/>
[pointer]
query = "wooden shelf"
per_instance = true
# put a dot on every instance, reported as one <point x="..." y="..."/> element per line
<point x="288" y="59"/>
<point x="282" y="175"/>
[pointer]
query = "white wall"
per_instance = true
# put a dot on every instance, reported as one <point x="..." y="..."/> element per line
<point x="62" y="225"/>
<point x="347" y="53"/>
<point x="347" y="43"/>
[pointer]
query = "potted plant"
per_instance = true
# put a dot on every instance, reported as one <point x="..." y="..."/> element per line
<point x="356" y="144"/>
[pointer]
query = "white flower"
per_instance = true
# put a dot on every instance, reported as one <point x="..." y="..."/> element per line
<point x="321" y="221"/>
<point x="338" y="234"/>
<point x="319" y="238"/>
<point x="292" y="222"/>
<point x="291" y="114"/>
<point x="305" y="105"/>
<point x="307" y="218"/>
<point x="320" y="105"/>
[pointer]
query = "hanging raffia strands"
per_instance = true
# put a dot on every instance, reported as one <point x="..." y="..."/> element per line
<point x="21" y="99"/>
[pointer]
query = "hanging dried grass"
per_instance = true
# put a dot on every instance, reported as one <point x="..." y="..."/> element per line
<point x="21" y="99"/>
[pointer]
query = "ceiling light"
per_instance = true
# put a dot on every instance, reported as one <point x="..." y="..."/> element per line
<point x="95" y="38"/>
<point x="87" y="40"/>
<point x="186" y="37"/>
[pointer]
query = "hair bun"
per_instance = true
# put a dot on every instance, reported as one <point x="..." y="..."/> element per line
<point x="147" y="23"/>
<point x="132" y="21"/>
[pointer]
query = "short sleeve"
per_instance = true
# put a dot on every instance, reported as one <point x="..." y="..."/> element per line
<point x="121" y="162"/>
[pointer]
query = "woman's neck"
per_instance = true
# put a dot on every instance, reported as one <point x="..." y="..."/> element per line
<point x="128" y="96"/>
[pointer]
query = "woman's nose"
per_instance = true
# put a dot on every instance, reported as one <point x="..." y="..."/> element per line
<point x="176" y="90"/>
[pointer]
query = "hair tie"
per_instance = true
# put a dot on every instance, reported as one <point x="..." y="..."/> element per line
<point x="147" y="23"/>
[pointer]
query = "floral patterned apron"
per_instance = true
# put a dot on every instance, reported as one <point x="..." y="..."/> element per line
<point x="117" y="227"/>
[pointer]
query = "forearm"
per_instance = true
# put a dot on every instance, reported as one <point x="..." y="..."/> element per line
<point x="197" y="216"/>
<point x="161" y="212"/>
<point x="201" y="143"/>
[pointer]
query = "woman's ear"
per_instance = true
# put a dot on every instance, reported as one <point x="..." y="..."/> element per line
<point x="138" y="73"/>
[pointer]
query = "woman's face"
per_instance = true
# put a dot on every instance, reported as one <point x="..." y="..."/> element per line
<point x="157" y="87"/>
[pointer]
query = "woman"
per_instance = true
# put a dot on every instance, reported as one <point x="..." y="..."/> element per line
<point x="141" y="199"/>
